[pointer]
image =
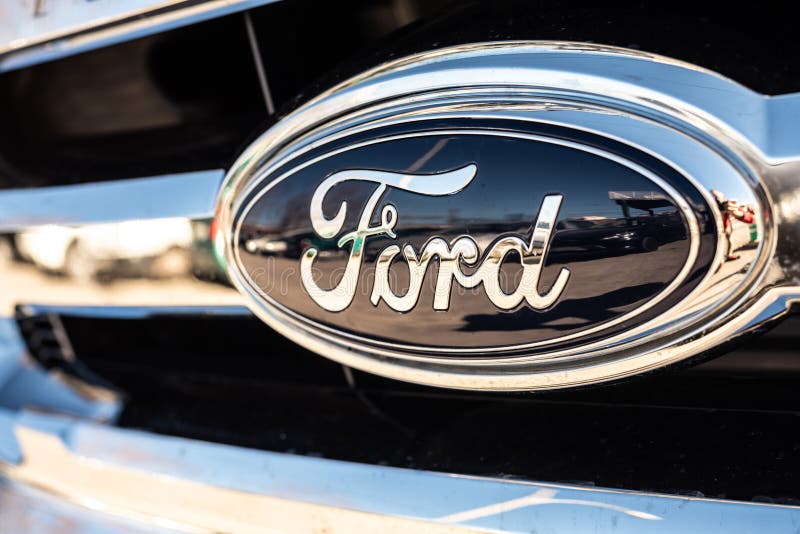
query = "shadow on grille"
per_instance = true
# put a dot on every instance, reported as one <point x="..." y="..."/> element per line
<point x="727" y="428"/>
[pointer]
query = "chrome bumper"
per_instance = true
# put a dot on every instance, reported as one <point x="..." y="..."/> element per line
<point x="63" y="472"/>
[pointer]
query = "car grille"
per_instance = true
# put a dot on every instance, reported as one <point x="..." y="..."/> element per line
<point x="110" y="163"/>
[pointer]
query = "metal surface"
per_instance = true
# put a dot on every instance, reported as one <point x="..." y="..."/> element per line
<point x="25" y="384"/>
<point x="35" y="31"/>
<point x="691" y="120"/>
<point x="149" y="236"/>
<point x="189" y="195"/>
<point x="148" y="242"/>
<point x="259" y="63"/>
<point x="27" y="509"/>
<point x="164" y="261"/>
<point x="187" y="485"/>
<point x="142" y="243"/>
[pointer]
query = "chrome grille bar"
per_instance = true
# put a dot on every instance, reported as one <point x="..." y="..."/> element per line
<point x="191" y="195"/>
<point x="32" y="34"/>
<point x="156" y="227"/>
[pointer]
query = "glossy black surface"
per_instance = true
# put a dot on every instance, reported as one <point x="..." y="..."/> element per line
<point x="621" y="253"/>
<point x="726" y="428"/>
<point x="174" y="102"/>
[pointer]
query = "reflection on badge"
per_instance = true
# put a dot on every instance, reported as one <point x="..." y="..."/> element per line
<point x="467" y="219"/>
